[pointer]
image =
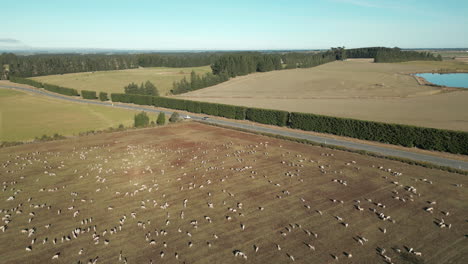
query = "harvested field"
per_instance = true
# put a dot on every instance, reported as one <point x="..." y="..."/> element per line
<point x="353" y="89"/>
<point x="25" y="116"/>
<point x="204" y="194"/>
<point x="115" y="81"/>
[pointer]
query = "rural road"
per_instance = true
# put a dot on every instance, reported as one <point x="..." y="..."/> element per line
<point x="293" y="133"/>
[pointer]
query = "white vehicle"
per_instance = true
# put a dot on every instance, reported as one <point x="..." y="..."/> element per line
<point x="187" y="117"/>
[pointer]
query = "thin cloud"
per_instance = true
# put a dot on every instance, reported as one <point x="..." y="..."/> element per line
<point x="9" y="40"/>
<point x="369" y="3"/>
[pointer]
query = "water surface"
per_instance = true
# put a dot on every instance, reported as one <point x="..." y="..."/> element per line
<point x="447" y="79"/>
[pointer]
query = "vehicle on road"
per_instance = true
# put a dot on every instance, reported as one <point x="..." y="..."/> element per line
<point x="205" y="118"/>
<point x="187" y="117"/>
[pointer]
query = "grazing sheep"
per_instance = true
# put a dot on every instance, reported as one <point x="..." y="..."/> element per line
<point x="310" y="246"/>
<point x="56" y="256"/>
<point x="255" y="248"/>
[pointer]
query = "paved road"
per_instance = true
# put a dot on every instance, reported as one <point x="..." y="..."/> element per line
<point x="292" y="133"/>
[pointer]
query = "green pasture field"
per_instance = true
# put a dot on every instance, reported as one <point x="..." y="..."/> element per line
<point x="24" y="116"/>
<point x="115" y="81"/>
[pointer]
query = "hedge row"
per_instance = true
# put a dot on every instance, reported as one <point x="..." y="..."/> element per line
<point x="404" y="135"/>
<point x="48" y="87"/>
<point x="103" y="96"/>
<point x="88" y="94"/>
<point x="267" y="116"/>
<point x="60" y="90"/>
<point x="26" y="81"/>
<point x="228" y="111"/>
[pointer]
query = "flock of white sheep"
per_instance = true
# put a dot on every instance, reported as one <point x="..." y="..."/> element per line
<point x="225" y="201"/>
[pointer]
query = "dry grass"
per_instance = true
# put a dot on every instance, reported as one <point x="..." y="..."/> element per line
<point x="353" y="89"/>
<point x="114" y="81"/>
<point x="92" y="173"/>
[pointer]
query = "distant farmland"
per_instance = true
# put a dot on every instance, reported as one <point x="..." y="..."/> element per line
<point x="24" y="116"/>
<point x="173" y="194"/>
<point x="354" y="89"/>
<point x="114" y="81"/>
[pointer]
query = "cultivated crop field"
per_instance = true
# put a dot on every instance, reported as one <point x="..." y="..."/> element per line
<point x="353" y="89"/>
<point x="115" y="81"/>
<point x="24" y="116"/>
<point x="193" y="193"/>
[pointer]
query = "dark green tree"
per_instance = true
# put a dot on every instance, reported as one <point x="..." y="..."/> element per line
<point x="150" y="89"/>
<point x="175" y="117"/>
<point x="141" y="120"/>
<point x="161" y="119"/>
<point x="132" y="88"/>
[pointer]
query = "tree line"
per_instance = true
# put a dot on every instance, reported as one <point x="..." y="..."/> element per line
<point x="397" y="55"/>
<point x="48" y="64"/>
<point x="294" y="60"/>
<point x="148" y="88"/>
<point x="239" y="64"/>
<point x="231" y="63"/>
<point x="197" y="82"/>
<point x="382" y="54"/>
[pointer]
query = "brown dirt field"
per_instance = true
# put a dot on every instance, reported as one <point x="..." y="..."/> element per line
<point x="206" y="164"/>
<point x="353" y="89"/>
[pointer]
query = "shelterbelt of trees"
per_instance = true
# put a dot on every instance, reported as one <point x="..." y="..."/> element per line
<point x="48" y="64"/>
<point x="382" y="54"/>
<point x="229" y="63"/>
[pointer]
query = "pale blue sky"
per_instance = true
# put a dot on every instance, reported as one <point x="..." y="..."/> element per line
<point x="236" y="24"/>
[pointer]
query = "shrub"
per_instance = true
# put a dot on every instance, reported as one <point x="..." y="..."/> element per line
<point x="141" y="120"/>
<point x="103" y="96"/>
<point x="88" y="94"/>
<point x="161" y="119"/>
<point x="175" y="117"/>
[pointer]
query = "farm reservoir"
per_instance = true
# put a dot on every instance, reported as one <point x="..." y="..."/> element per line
<point x="447" y="79"/>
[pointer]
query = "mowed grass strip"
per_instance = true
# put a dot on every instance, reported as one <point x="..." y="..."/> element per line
<point x="115" y="81"/>
<point x="24" y="116"/>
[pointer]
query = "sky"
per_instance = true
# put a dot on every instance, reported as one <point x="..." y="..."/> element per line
<point x="233" y="24"/>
